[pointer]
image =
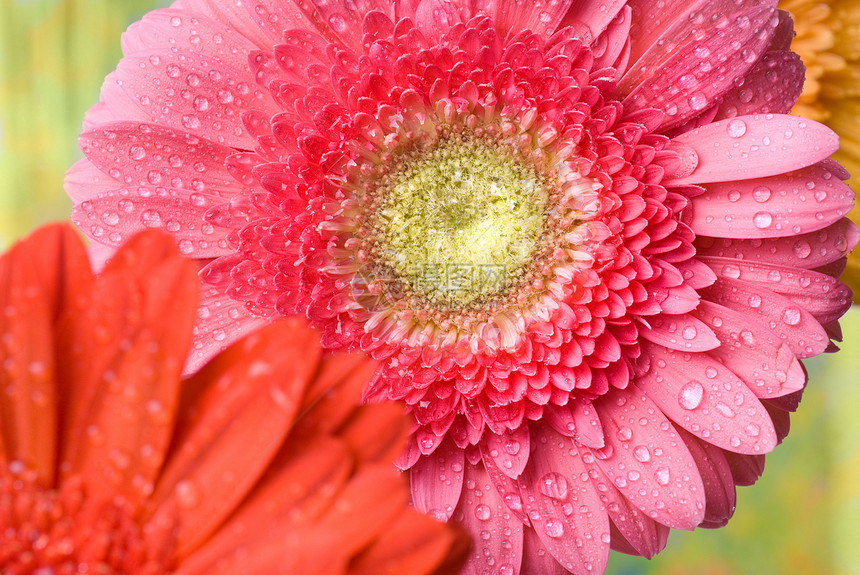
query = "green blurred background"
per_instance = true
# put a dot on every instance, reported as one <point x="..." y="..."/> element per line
<point x="801" y="518"/>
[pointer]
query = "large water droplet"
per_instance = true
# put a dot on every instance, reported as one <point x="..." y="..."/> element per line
<point x="641" y="453"/>
<point x="553" y="485"/>
<point x="762" y="220"/>
<point x="483" y="512"/>
<point x="736" y="128"/>
<point x="690" y="396"/>
<point x="662" y="475"/>
<point x="554" y="528"/>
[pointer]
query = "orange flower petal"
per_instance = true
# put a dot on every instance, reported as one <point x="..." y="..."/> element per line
<point x="37" y="276"/>
<point x="239" y="423"/>
<point x="376" y="433"/>
<point x="413" y="544"/>
<point x="301" y="484"/>
<point x="335" y="392"/>
<point x="122" y="362"/>
<point x="364" y="509"/>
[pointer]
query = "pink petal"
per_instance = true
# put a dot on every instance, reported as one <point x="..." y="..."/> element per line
<point x="508" y="489"/>
<point x="84" y="180"/>
<point x="562" y="504"/>
<point x="437" y="480"/>
<point x="210" y="108"/>
<point x="113" y="217"/>
<point x="193" y="33"/>
<point x="151" y="155"/>
<point x="823" y="296"/>
<point x="234" y="15"/>
<point x="510" y="450"/>
<point x="577" y="419"/>
<point x="799" y="330"/>
<point x="680" y="332"/>
<point x="274" y="17"/>
<point x="536" y="560"/>
<point x="221" y="320"/>
<point x="704" y="397"/>
<point x="753" y="352"/>
<point x="614" y="41"/>
<point x="746" y="469"/>
<point x="644" y="535"/>
<point x="646" y="461"/>
<point x="716" y="476"/>
<point x="596" y="15"/>
<point x="772" y="86"/>
<point x="682" y="88"/>
<point x="784" y="205"/>
<point x="497" y="534"/>
<point x="657" y="33"/>
<point x="756" y="146"/>
<point x="807" y="251"/>
<point x="114" y="104"/>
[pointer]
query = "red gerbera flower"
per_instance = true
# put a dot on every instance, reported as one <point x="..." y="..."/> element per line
<point x="583" y="239"/>
<point x="109" y="465"/>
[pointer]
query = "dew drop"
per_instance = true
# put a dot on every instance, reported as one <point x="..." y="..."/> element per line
<point x="791" y="316"/>
<point x="554" y="528"/>
<point x="662" y="475"/>
<point x="186" y="494"/>
<point x="641" y="453"/>
<point x="482" y="512"/>
<point x="761" y="194"/>
<point x="690" y="396"/>
<point x="736" y="128"/>
<point x="762" y="220"/>
<point x="553" y="485"/>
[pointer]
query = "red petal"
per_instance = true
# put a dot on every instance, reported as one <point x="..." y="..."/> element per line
<point x="122" y="364"/>
<point x="40" y="278"/>
<point x="235" y="414"/>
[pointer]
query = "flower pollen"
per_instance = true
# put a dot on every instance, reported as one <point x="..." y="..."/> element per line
<point x="466" y="206"/>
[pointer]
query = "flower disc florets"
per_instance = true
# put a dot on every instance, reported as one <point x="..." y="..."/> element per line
<point x="550" y="223"/>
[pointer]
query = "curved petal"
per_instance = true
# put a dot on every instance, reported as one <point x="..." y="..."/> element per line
<point x="238" y="424"/>
<point x="704" y="397"/>
<point x="113" y="217"/>
<point x="496" y="532"/>
<point x="137" y="154"/>
<point x="789" y="204"/>
<point x="804" y="336"/>
<point x="437" y="481"/>
<point x="753" y="352"/>
<point x="682" y="87"/>
<point x="756" y="146"/>
<point x="510" y="449"/>
<point x="646" y="461"/>
<point x="554" y="484"/>
<point x="805" y="251"/>
<point x="122" y="364"/>
<point x="680" y="332"/>
<point x="213" y="94"/>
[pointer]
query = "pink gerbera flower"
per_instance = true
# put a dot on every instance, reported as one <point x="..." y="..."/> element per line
<point x="583" y="239"/>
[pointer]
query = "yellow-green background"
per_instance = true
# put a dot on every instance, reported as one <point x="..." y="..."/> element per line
<point x="801" y="518"/>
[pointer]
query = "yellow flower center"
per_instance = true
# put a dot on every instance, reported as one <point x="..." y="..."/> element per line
<point x="459" y="223"/>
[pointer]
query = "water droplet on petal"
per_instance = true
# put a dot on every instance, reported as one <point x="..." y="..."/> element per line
<point x="483" y="512"/>
<point x="690" y="396"/>
<point x="554" y="528"/>
<point x="553" y="485"/>
<point x="736" y="128"/>
<point x="762" y="220"/>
